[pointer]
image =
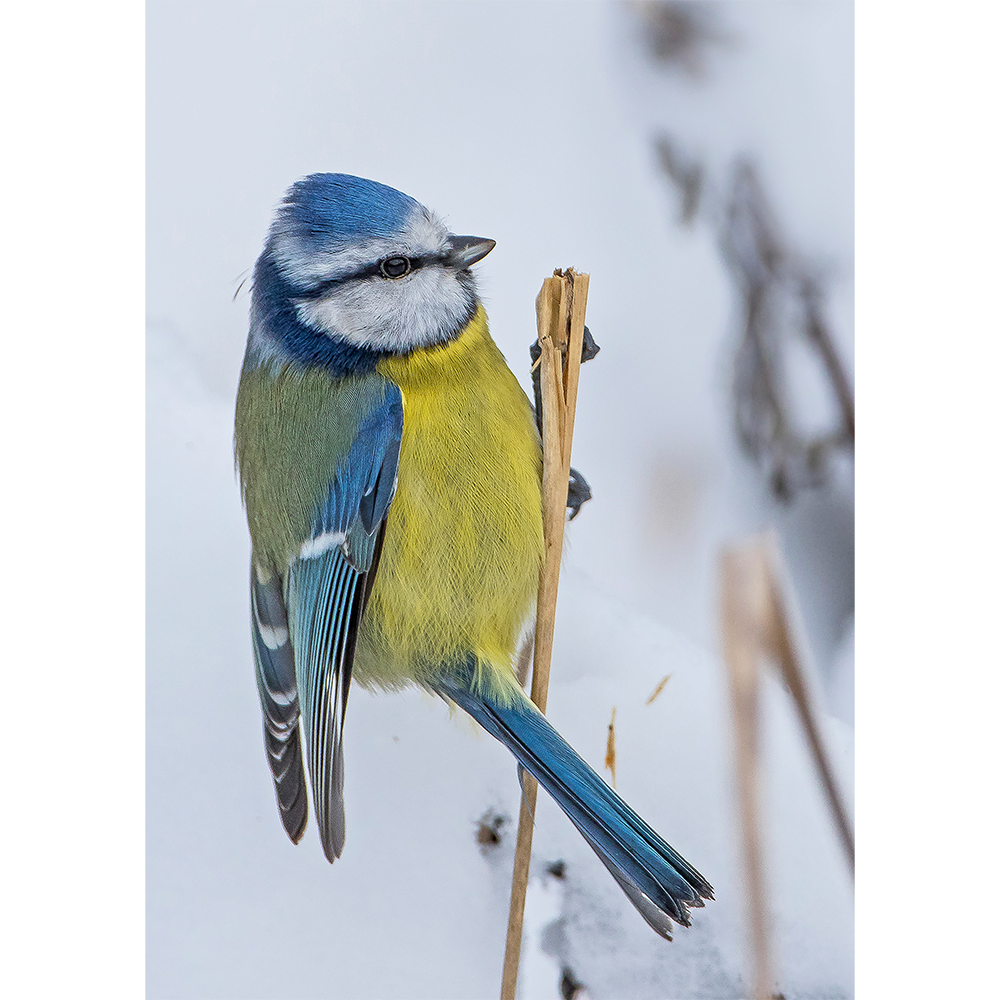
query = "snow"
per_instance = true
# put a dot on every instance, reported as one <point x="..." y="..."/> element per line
<point x="416" y="908"/>
<point x="455" y="104"/>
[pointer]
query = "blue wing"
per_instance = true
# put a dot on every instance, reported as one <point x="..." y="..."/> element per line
<point x="304" y="659"/>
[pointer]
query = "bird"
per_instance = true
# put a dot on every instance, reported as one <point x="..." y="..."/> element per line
<point x="390" y="468"/>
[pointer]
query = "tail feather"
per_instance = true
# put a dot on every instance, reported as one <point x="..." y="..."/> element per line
<point x="656" y="879"/>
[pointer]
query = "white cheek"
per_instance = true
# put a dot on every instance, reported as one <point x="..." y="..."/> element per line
<point x="421" y="309"/>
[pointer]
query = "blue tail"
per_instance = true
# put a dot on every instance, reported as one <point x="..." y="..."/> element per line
<point x="658" y="881"/>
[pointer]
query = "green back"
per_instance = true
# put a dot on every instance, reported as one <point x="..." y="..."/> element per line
<point x="293" y="426"/>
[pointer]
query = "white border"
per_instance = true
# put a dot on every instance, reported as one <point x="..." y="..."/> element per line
<point x="72" y="412"/>
<point x="927" y="371"/>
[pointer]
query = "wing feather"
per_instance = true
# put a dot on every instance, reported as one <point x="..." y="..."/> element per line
<point x="279" y="701"/>
<point x="322" y="592"/>
<point x="326" y="589"/>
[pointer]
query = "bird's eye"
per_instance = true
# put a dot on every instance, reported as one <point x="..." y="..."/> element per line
<point x="395" y="267"/>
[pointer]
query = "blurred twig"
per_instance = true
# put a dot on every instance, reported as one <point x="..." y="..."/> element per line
<point x="678" y="33"/>
<point x="781" y="297"/>
<point x="757" y="615"/>
<point x="786" y="647"/>
<point x="688" y="176"/>
<point x="775" y="283"/>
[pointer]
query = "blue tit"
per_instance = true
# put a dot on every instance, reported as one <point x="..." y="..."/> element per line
<point x="390" y="468"/>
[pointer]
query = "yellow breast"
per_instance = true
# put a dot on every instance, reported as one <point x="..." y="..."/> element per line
<point x="463" y="545"/>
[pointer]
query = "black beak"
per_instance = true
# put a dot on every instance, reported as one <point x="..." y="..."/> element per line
<point x="464" y="251"/>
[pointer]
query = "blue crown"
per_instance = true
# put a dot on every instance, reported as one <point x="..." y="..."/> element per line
<point x="338" y="208"/>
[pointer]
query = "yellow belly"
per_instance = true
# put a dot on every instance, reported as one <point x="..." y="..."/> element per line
<point x="463" y="544"/>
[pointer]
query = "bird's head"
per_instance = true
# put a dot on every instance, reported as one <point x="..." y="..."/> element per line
<point x="363" y="266"/>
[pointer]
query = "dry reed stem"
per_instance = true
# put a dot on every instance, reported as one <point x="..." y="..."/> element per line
<point x="560" y="311"/>
<point x="524" y="657"/>
<point x="758" y="614"/>
<point x="745" y="598"/>
<point x="790" y="658"/>
<point x="659" y="689"/>
<point x="611" y="754"/>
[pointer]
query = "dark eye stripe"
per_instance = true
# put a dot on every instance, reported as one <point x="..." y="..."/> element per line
<point x="369" y="271"/>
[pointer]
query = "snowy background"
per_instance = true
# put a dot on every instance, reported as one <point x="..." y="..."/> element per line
<point x="535" y="124"/>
